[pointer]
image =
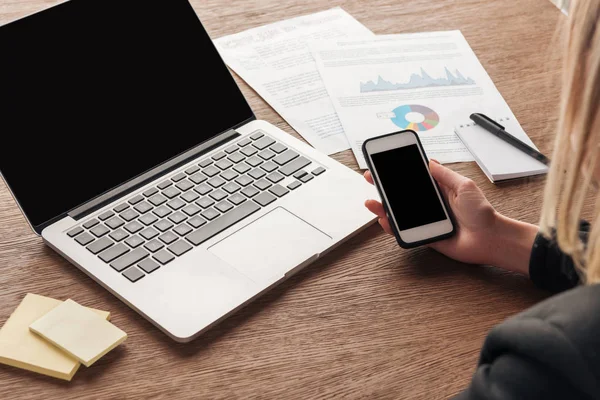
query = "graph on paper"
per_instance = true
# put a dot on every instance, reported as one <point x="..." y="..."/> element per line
<point x="417" y="81"/>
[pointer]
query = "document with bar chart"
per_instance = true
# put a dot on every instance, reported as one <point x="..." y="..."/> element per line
<point x="427" y="82"/>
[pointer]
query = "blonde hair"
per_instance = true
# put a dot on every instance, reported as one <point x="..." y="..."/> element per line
<point x="577" y="144"/>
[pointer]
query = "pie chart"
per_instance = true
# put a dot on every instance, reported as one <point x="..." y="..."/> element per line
<point x="415" y="117"/>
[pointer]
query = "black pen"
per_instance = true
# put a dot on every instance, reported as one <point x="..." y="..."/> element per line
<point x="498" y="130"/>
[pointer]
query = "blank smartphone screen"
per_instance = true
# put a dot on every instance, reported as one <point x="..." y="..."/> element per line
<point x="409" y="190"/>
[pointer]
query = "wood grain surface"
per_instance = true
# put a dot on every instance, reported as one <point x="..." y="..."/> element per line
<point x="370" y="319"/>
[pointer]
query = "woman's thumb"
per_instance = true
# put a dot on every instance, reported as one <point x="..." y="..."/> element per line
<point x="445" y="176"/>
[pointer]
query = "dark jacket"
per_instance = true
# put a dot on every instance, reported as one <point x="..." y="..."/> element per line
<point x="552" y="350"/>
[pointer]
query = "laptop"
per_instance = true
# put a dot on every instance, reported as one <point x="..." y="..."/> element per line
<point x="130" y="149"/>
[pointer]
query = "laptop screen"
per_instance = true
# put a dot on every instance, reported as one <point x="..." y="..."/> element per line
<point x="96" y="92"/>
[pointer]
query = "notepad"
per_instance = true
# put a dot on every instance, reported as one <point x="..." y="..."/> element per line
<point x="79" y="332"/>
<point x="21" y="348"/>
<point x="499" y="160"/>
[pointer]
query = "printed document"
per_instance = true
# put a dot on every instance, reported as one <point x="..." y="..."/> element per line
<point x="276" y="61"/>
<point x="427" y="82"/>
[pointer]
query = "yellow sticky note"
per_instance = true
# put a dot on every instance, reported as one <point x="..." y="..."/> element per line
<point x="21" y="348"/>
<point x="79" y="332"/>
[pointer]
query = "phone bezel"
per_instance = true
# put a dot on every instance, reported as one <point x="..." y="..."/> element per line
<point x="420" y="235"/>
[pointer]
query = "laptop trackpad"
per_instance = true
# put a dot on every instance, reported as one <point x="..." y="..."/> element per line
<point x="271" y="246"/>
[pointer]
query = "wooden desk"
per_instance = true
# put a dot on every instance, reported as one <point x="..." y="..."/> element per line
<point x="369" y="320"/>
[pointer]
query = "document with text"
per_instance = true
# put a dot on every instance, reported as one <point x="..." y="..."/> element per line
<point x="427" y="82"/>
<point x="276" y="61"/>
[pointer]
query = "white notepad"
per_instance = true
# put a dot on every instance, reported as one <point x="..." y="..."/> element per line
<point x="499" y="160"/>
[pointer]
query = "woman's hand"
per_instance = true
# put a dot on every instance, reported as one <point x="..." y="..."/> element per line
<point x="483" y="236"/>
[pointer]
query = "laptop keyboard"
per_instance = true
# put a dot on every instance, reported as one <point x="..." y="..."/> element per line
<point x="151" y="229"/>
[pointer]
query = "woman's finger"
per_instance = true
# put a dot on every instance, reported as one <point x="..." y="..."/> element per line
<point x="369" y="177"/>
<point x="445" y="176"/>
<point x="376" y="208"/>
<point x="385" y="224"/>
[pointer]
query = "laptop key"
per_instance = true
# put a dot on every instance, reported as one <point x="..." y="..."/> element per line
<point x="178" y="177"/>
<point x="229" y="175"/>
<point x="244" y="142"/>
<point x="100" y="230"/>
<point x="205" y="163"/>
<point x="257" y="135"/>
<point x="119" y="235"/>
<point x="183" y="229"/>
<point x="231" y="187"/>
<point x="269" y="166"/>
<point x="203" y="189"/>
<point x="210" y="214"/>
<point x="278" y="148"/>
<point x="254" y="161"/>
<point x="306" y="178"/>
<point x="164" y="184"/>
<point x="154" y="246"/>
<point x="84" y="239"/>
<point x="150" y="192"/>
<point x="75" y="231"/>
<point x="191" y="210"/>
<point x="176" y="203"/>
<point x="257" y="173"/>
<point x="286" y="157"/>
<point x="91" y="223"/>
<point x="262" y="184"/>
<point x="157" y="199"/>
<point x="266" y="154"/>
<point x="211" y="171"/>
<point x="129" y="215"/>
<point x="162" y="211"/>
<point x="129" y="259"/>
<point x="236" y="158"/>
<point x="243" y="181"/>
<point x="134" y="241"/>
<point x="318" y="171"/>
<point x="192" y="170"/>
<point x="242" y="168"/>
<point x="263" y="143"/>
<point x="136" y="199"/>
<point x="275" y="177"/>
<point x="264" y="199"/>
<point x="212" y="229"/>
<point x="121" y="207"/>
<point x="163" y="225"/>
<point x="294" y="185"/>
<point x="224" y="164"/>
<point x="148" y="219"/>
<point x="279" y="190"/>
<point x="218" y="156"/>
<point x="190" y="196"/>
<point x="113" y="252"/>
<point x="177" y="217"/>
<point x="143" y="207"/>
<point x="300" y="174"/>
<point x="163" y="257"/>
<point x="236" y="199"/>
<point x="231" y="149"/>
<point x="106" y="215"/>
<point x="100" y="245"/>
<point x="250" y="191"/>
<point x="218" y="195"/>
<point x="180" y="248"/>
<point x="294" y="166"/>
<point x="205" y="202"/>
<point x="134" y="227"/>
<point x="196" y="222"/>
<point x="224" y="206"/>
<point x="249" y="151"/>
<point x="216" y="182"/>
<point x="114" y="222"/>
<point x="148" y="265"/>
<point x="184" y="186"/>
<point x="198" y="178"/>
<point x="133" y="274"/>
<point x="171" y="192"/>
<point x="168" y="237"/>
<point x="149" y="233"/>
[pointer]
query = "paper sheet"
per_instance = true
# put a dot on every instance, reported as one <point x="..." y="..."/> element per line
<point x="276" y="61"/>
<point x="428" y="82"/>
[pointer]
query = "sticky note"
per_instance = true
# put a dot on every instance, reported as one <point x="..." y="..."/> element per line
<point x="21" y="348"/>
<point x="78" y="331"/>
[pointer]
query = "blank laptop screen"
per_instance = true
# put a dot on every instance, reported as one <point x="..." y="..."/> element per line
<point x="96" y="92"/>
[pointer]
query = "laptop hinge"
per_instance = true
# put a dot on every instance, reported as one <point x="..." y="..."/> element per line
<point x="151" y="175"/>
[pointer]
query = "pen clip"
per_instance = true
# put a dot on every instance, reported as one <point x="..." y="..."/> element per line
<point x="491" y="121"/>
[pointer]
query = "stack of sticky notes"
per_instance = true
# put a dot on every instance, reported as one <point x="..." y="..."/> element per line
<point x="52" y="337"/>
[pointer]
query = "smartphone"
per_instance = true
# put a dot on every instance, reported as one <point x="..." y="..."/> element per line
<point x="412" y="199"/>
